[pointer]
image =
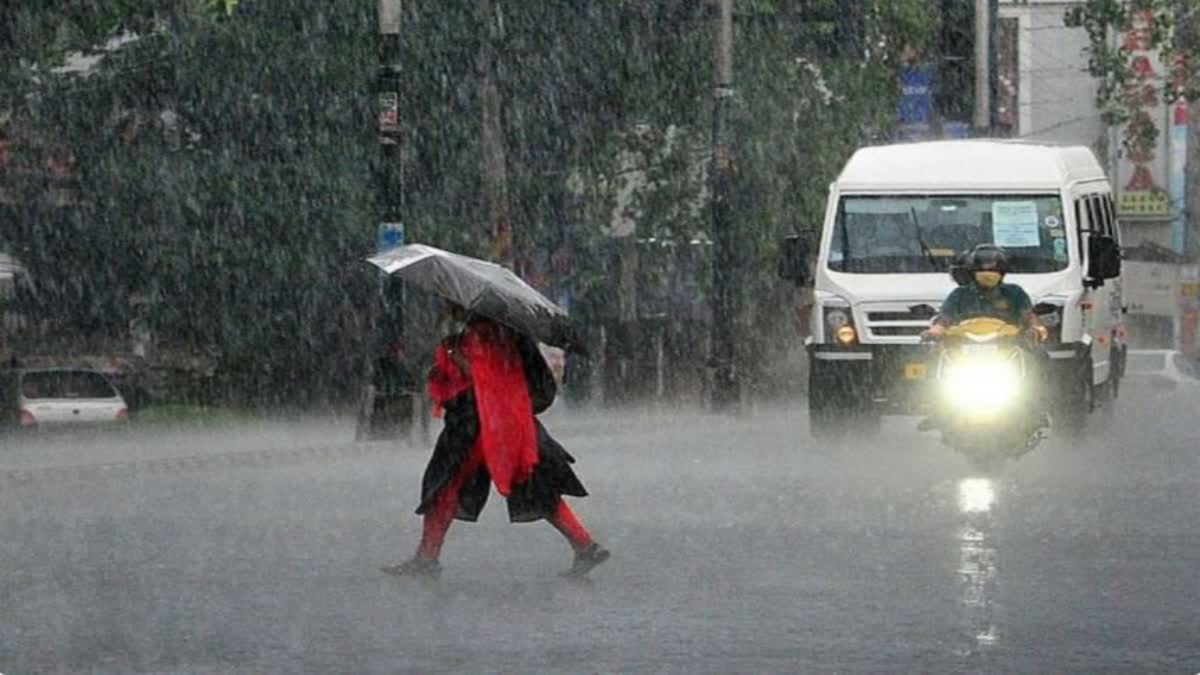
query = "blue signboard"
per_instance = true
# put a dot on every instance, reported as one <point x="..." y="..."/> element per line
<point x="914" y="113"/>
<point x="916" y="96"/>
<point x="390" y="236"/>
<point x="952" y="129"/>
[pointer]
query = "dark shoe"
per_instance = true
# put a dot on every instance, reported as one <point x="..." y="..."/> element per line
<point x="586" y="559"/>
<point x="416" y="566"/>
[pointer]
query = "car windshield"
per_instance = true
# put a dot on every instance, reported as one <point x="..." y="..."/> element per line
<point x="71" y="384"/>
<point x="922" y="233"/>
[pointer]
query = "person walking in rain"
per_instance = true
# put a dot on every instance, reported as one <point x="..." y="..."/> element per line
<point x="490" y="382"/>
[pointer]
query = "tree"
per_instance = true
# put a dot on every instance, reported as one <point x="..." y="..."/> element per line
<point x="226" y="178"/>
<point x="223" y="157"/>
<point x="1121" y="34"/>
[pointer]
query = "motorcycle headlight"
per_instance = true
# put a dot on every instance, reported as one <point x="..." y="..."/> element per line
<point x="981" y="385"/>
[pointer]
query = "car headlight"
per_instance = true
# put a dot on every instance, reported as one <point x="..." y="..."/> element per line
<point x="980" y="385"/>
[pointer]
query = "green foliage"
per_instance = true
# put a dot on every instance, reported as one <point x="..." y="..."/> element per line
<point x="227" y="7"/>
<point x="225" y="166"/>
<point x="1173" y="29"/>
<point x="37" y="31"/>
<point x="226" y="155"/>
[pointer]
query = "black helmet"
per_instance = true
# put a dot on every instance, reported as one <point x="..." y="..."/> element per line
<point x="988" y="258"/>
<point x="959" y="271"/>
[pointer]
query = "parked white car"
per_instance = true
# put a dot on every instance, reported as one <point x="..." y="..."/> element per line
<point x="49" y="397"/>
<point x="1162" y="368"/>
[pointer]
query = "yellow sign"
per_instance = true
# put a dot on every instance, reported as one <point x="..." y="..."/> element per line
<point x="1190" y="289"/>
<point x="915" y="371"/>
<point x="1144" y="205"/>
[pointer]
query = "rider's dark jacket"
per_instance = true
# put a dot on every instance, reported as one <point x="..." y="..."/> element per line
<point x="1009" y="302"/>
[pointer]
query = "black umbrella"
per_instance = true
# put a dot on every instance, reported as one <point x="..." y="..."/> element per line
<point x="482" y="288"/>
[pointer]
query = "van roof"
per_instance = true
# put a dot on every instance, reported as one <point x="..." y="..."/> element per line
<point x="968" y="165"/>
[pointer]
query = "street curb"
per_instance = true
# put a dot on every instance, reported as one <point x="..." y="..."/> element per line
<point x="35" y="476"/>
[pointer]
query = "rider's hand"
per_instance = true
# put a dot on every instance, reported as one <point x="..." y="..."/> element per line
<point x="1037" y="334"/>
<point x="935" y="332"/>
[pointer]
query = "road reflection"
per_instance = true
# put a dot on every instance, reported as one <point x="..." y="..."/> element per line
<point x="978" y="568"/>
<point x="976" y="496"/>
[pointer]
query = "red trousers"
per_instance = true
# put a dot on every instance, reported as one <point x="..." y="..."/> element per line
<point x="445" y="505"/>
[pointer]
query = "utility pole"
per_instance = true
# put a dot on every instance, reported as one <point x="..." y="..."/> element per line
<point x="726" y="394"/>
<point x="983" y="67"/>
<point x="385" y="321"/>
<point x="389" y="177"/>
<point x="494" y="163"/>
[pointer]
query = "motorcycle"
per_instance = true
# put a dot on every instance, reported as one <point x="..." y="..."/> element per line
<point x="986" y="393"/>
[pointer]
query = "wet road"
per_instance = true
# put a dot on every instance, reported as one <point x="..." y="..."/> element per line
<point x="738" y="547"/>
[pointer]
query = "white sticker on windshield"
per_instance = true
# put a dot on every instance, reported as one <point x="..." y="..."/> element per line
<point x="1015" y="224"/>
<point x="1060" y="250"/>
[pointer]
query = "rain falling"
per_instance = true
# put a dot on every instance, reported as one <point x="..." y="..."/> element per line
<point x="422" y="336"/>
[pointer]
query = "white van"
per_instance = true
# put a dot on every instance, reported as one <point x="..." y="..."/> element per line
<point x="896" y="217"/>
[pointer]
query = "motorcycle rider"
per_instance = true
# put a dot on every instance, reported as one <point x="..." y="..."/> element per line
<point x="986" y="295"/>
<point x="981" y="292"/>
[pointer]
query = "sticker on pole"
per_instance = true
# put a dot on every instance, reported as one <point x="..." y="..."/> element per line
<point x="390" y="236"/>
<point x="1015" y="225"/>
<point x="388" y="115"/>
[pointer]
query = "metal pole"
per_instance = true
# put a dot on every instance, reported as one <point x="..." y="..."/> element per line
<point x="1177" y="149"/>
<point x="386" y="173"/>
<point x="983" y="67"/>
<point x="494" y="162"/>
<point x="389" y="175"/>
<point x="726" y="393"/>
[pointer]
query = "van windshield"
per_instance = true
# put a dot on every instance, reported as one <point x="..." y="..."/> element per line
<point x="897" y="234"/>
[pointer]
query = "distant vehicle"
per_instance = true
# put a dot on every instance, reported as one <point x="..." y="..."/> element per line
<point x="878" y="264"/>
<point x="52" y="397"/>
<point x="1162" y="368"/>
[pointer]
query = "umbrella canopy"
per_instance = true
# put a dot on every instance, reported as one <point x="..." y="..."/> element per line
<point x="483" y="288"/>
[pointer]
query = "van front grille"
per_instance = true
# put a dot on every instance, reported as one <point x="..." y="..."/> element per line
<point x="898" y="320"/>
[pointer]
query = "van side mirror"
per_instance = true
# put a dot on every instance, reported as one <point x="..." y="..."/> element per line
<point x="793" y="259"/>
<point x="1104" y="259"/>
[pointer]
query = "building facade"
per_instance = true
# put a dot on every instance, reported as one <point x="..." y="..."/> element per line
<point x="1044" y="93"/>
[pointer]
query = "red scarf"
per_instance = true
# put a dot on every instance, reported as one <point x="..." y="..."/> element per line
<point x="507" y="436"/>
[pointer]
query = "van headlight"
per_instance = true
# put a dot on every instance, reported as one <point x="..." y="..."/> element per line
<point x="839" y="324"/>
<point x="981" y="384"/>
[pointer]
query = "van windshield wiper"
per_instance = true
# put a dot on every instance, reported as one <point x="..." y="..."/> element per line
<point x="912" y="212"/>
